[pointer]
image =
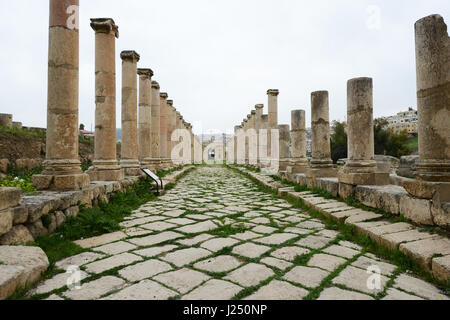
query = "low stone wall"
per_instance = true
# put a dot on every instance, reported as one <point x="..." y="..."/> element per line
<point x="391" y="198"/>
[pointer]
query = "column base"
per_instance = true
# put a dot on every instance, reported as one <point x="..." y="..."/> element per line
<point x="152" y="164"/>
<point x="105" y="170"/>
<point x="131" y="167"/>
<point x="61" y="182"/>
<point x="427" y="190"/>
<point x="433" y="171"/>
<point x="361" y="178"/>
<point x="298" y="166"/>
<point x="321" y="172"/>
<point x="283" y="164"/>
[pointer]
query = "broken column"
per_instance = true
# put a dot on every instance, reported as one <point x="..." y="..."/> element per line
<point x="155" y="161"/>
<point x="129" y="150"/>
<point x="145" y="115"/>
<point x="105" y="166"/>
<point x="361" y="167"/>
<point x="62" y="170"/>
<point x="321" y="163"/>
<point x="272" y="117"/>
<point x="284" y="142"/>
<point x="299" y="162"/>
<point x="163" y="130"/>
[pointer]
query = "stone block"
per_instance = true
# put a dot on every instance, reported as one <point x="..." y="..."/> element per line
<point x="329" y="184"/>
<point x="37" y="229"/>
<point x="4" y="165"/>
<point x="20" y="214"/>
<point x="441" y="268"/>
<point x="9" y="197"/>
<point x="6" y="221"/>
<point x="346" y="190"/>
<point x="11" y="277"/>
<point x="422" y="251"/>
<point x="441" y="215"/>
<point x="417" y="210"/>
<point x="17" y="235"/>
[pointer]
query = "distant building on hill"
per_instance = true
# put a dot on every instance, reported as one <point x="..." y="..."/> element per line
<point x="407" y="120"/>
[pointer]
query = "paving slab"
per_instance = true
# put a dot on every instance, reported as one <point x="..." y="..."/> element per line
<point x="218" y="264"/>
<point x="250" y="275"/>
<point x="306" y="276"/>
<point x="185" y="256"/>
<point x="144" y="270"/>
<point x="183" y="280"/>
<point x="279" y="290"/>
<point x="214" y="290"/>
<point x="335" y="293"/>
<point x="144" y="290"/>
<point x="95" y="289"/>
<point x="250" y="250"/>
<point x="103" y="265"/>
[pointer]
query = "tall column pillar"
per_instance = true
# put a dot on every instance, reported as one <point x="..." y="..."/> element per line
<point x="130" y="159"/>
<point x="171" y="123"/>
<point x="272" y="117"/>
<point x="247" y="140"/>
<point x="433" y="98"/>
<point x="253" y="139"/>
<point x="261" y="143"/>
<point x="155" y="162"/>
<point x="105" y="165"/>
<point x="361" y="167"/>
<point x="192" y="142"/>
<point x="163" y="130"/>
<point x="62" y="170"/>
<point x="235" y="139"/>
<point x="299" y="162"/>
<point x="145" y="115"/>
<point x="284" y="141"/>
<point x="321" y="163"/>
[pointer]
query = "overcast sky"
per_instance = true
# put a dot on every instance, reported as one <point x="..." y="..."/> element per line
<point x="216" y="59"/>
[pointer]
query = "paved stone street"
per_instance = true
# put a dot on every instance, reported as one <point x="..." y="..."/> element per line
<point x="216" y="236"/>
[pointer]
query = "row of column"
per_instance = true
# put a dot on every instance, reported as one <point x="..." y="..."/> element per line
<point x="148" y="121"/>
<point x="433" y="95"/>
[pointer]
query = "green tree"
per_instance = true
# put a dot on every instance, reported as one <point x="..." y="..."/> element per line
<point x="388" y="142"/>
<point x="338" y="141"/>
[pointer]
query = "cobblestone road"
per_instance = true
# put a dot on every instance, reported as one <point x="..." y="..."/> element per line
<point x="217" y="236"/>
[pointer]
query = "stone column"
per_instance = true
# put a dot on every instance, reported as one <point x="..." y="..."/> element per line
<point x="62" y="170"/>
<point x="361" y="167"/>
<point x="321" y="163"/>
<point x="130" y="159"/>
<point x="247" y="140"/>
<point x="272" y="117"/>
<point x="179" y="126"/>
<point x="433" y="98"/>
<point x="105" y="165"/>
<point x="155" y="161"/>
<point x="192" y="142"/>
<point x="235" y="139"/>
<point x="145" y="115"/>
<point x="284" y="141"/>
<point x="163" y="130"/>
<point x="261" y="143"/>
<point x="171" y="123"/>
<point x="299" y="162"/>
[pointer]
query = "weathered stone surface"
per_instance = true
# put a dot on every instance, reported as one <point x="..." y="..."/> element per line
<point x="95" y="289"/>
<point x="364" y="262"/>
<point x="186" y="256"/>
<point x="277" y="263"/>
<point x="158" y="226"/>
<point x="144" y="290"/>
<point x="359" y="279"/>
<point x="122" y="259"/>
<point x="279" y="290"/>
<point x="393" y="240"/>
<point x="276" y="239"/>
<point x="308" y="277"/>
<point x="78" y="260"/>
<point x="341" y="251"/>
<point x="218" y="264"/>
<point x="422" y="251"/>
<point x="154" y="251"/>
<point x="218" y="244"/>
<point x="250" y="250"/>
<point x="32" y="259"/>
<point x="441" y="268"/>
<point x="334" y="293"/>
<point x="155" y="239"/>
<point x="9" y="197"/>
<point x="325" y="261"/>
<point x="247" y="235"/>
<point x="214" y="290"/>
<point x="57" y="282"/>
<point x="196" y="240"/>
<point x="17" y="235"/>
<point x="418" y="210"/>
<point x="198" y="227"/>
<point x="250" y="275"/>
<point x="376" y="232"/>
<point x="182" y="280"/>
<point x="264" y="229"/>
<point x="11" y="277"/>
<point x="6" y="221"/>
<point x="418" y="287"/>
<point x="396" y="295"/>
<point x="361" y="217"/>
<point x="20" y="214"/>
<point x="313" y="242"/>
<point x="289" y="253"/>
<point x="115" y="247"/>
<point x="101" y="240"/>
<point x="144" y="270"/>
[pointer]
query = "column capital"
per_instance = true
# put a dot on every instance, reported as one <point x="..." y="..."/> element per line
<point x="130" y="55"/>
<point x="145" y="73"/>
<point x="105" y="25"/>
<point x="253" y="113"/>
<point x="155" y="85"/>
<point x="163" y="95"/>
<point x="170" y="102"/>
<point x="273" y="92"/>
<point x="259" y="106"/>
